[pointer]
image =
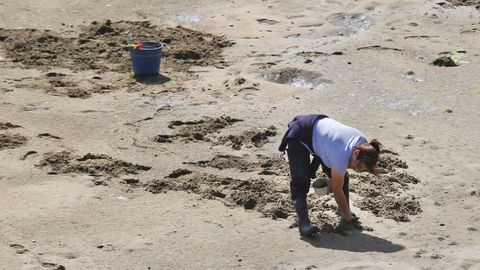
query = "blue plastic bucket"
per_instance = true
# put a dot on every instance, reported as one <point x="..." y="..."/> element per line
<point x="146" y="57"/>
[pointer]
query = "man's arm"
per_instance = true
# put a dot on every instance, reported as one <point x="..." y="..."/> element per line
<point x="337" y="185"/>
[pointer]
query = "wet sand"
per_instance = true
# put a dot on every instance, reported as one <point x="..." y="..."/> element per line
<point x="104" y="170"/>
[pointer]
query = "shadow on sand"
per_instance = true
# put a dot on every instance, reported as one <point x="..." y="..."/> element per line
<point x="152" y="80"/>
<point x="355" y="242"/>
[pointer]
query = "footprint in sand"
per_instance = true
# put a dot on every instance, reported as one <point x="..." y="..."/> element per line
<point x="19" y="249"/>
<point x="28" y="154"/>
<point x="470" y="265"/>
<point x="249" y="96"/>
<point x="48" y="135"/>
<point x="53" y="266"/>
<point x="362" y="268"/>
<point x="267" y="21"/>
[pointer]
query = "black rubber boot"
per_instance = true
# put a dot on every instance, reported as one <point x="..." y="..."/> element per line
<point x="304" y="225"/>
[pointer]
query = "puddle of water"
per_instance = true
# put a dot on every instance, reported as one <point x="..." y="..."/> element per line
<point x="350" y="24"/>
<point x="387" y="101"/>
<point x="308" y="80"/>
<point x="190" y="17"/>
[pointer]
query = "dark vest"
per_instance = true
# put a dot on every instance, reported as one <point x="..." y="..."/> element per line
<point x="300" y="128"/>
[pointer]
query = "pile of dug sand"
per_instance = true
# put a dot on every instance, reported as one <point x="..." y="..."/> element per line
<point x="103" y="46"/>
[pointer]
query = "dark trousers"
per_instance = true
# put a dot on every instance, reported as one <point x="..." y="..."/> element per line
<point x="301" y="170"/>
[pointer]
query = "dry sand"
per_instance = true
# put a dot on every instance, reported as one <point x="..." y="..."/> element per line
<point x="101" y="170"/>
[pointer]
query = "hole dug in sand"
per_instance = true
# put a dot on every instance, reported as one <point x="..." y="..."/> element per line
<point x="308" y="80"/>
<point x="350" y="24"/>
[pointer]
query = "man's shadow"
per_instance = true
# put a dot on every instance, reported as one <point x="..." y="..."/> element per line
<point x="356" y="241"/>
<point x="152" y="80"/>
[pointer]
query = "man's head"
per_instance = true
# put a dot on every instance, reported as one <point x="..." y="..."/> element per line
<point x="365" y="157"/>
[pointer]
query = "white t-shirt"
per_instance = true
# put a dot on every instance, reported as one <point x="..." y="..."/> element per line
<point x="334" y="143"/>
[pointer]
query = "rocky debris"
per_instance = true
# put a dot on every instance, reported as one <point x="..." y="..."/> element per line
<point x="445" y="61"/>
<point x="449" y="59"/>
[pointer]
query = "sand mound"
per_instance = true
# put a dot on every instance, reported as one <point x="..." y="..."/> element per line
<point x="199" y="131"/>
<point x="97" y="165"/>
<point x="72" y="86"/>
<point x="196" y="130"/>
<point x="103" y="46"/>
<point x="475" y="3"/>
<point x="9" y="140"/>
<point x="263" y="195"/>
<point x="256" y="137"/>
<point x="7" y="125"/>
<point x="264" y="165"/>
<point x="259" y="194"/>
<point x="383" y="197"/>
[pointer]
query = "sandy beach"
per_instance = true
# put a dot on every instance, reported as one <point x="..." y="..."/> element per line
<point x="102" y="169"/>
